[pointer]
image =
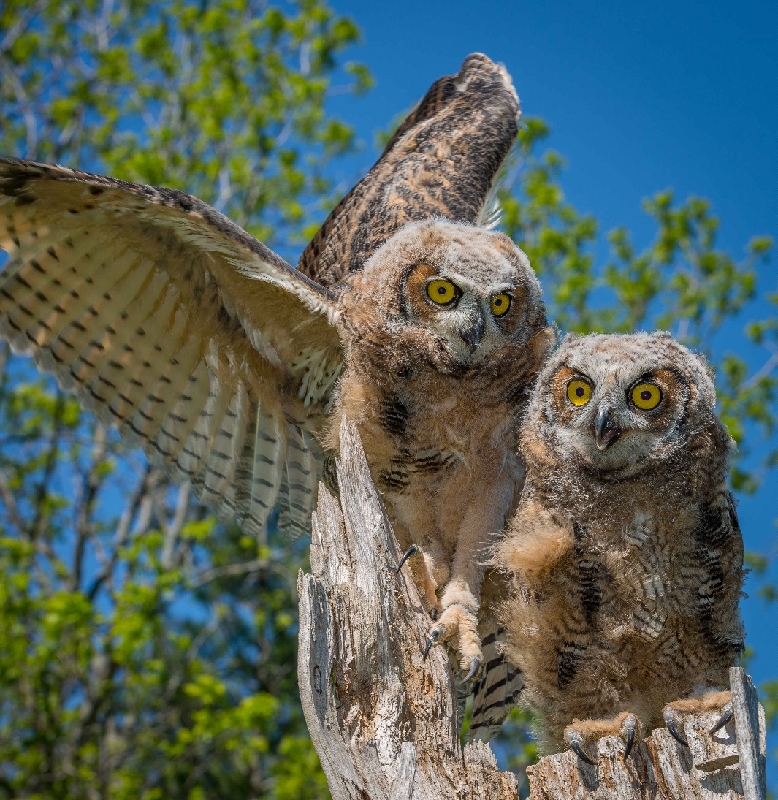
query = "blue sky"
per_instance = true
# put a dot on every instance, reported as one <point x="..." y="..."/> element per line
<point x="641" y="97"/>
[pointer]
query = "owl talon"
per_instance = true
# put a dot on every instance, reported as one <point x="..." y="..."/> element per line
<point x="406" y="555"/>
<point x="474" y="665"/>
<point x="434" y="636"/>
<point x="628" y="729"/>
<point x="672" y="727"/>
<point x="726" y="715"/>
<point x="575" y="740"/>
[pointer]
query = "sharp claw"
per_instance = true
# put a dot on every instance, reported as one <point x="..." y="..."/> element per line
<point x="673" y="728"/>
<point x="676" y="734"/>
<point x="434" y="636"/>
<point x="726" y="716"/>
<point x="628" y="743"/>
<point x="577" y="748"/>
<point x="476" y="663"/>
<point x="406" y="555"/>
<point x="575" y="741"/>
<point x="629" y="727"/>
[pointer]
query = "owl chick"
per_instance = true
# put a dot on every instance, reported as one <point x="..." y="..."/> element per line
<point x="625" y="551"/>
<point x="445" y="332"/>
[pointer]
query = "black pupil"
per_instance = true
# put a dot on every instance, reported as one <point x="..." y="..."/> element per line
<point x="442" y="289"/>
<point x="645" y="395"/>
<point x="579" y="391"/>
<point x="498" y="301"/>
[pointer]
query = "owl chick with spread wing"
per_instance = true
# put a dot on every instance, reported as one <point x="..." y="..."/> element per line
<point x="228" y="365"/>
<point x="625" y="554"/>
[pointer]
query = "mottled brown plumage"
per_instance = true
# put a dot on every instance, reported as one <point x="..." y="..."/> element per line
<point x="443" y="161"/>
<point x="223" y="361"/>
<point x="436" y="392"/>
<point x="625" y="552"/>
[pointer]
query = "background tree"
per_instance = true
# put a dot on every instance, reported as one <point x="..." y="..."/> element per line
<point x="145" y="650"/>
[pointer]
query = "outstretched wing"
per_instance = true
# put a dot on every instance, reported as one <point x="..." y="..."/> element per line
<point x="442" y="161"/>
<point x="172" y="322"/>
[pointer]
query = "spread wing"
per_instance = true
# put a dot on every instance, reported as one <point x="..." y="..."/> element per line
<point x="442" y="161"/>
<point x="170" y="321"/>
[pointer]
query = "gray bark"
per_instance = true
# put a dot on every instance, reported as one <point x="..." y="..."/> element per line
<point x="383" y="719"/>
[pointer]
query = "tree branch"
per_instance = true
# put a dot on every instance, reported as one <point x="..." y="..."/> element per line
<point x="239" y="568"/>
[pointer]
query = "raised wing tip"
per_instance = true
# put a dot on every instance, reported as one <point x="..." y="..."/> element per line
<point x="478" y="68"/>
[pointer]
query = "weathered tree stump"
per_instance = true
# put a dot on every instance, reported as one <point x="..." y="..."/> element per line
<point x="383" y="719"/>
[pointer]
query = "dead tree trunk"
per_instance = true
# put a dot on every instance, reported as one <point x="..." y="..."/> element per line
<point x="383" y="719"/>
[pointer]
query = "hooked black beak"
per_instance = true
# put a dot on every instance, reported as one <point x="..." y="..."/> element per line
<point x="606" y="431"/>
<point x="474" y="332"/>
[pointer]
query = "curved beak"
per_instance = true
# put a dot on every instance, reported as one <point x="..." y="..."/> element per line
<point x="474" y="331"/>
<point x="606" y="429"/>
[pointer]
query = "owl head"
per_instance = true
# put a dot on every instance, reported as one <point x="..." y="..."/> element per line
<point x="455" y="291"/>
<point x="617" y="404"/>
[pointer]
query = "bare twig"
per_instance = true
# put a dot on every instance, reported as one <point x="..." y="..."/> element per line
<point x="86" y="495"/>
<point x="10" y="504"/>
<point x="765" y="370"/>
<point x="245" y="568"/>
<point x="136" y="506"/>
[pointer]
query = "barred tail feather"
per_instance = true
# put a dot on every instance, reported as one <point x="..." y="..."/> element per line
<point x="498" y="689"/>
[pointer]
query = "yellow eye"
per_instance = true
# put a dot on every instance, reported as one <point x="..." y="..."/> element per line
<point x="441" y="292"/>
<point x="646" y="396"/>
<point x="579" y="393"/>
<point x="500" y="304"/>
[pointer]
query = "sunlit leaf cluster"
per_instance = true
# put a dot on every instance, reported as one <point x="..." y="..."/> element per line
<point x="223" y="98"/>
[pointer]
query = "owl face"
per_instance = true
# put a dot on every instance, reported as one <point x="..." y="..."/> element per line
<point x="464" y="290"/>
<point x="620" y="403"/>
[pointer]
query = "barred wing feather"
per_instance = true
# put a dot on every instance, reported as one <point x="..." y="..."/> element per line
<point x="170" y="321"/>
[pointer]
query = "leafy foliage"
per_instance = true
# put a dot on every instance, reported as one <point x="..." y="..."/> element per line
<point x="222" y="98"/>
<point x="146" y="651"/>
<point x="147" y="656"/>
